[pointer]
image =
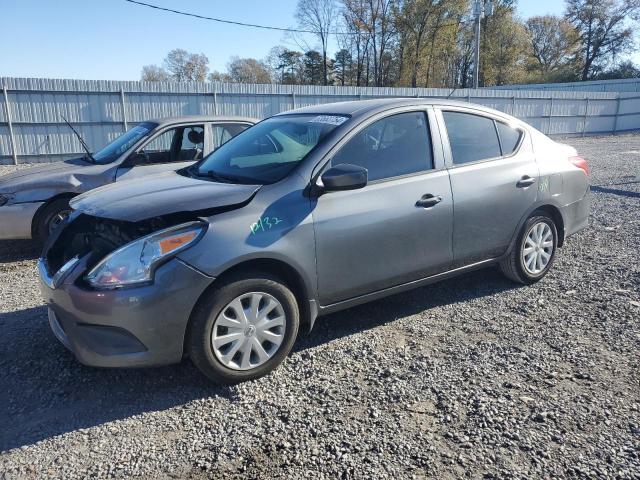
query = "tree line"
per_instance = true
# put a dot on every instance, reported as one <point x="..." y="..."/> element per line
<point x="430" y="43"/>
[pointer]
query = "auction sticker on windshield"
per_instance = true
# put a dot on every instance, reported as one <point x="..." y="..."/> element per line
<point x="329" y="119"/>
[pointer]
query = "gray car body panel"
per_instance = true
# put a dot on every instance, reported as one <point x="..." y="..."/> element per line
<point x="40" y="184"/>
<point x="284" y="211"/>
<point x="142" y="198"/>
<point x="354" y="246"/>
<point x="17" y="220"/>
<point x="144" y="326"/>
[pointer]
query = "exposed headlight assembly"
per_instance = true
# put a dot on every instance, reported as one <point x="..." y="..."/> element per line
<point x="136" y="262"/>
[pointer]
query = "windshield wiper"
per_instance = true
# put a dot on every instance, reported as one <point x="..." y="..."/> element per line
<point x="82" y="142"/>
<point x="216" y="177"/>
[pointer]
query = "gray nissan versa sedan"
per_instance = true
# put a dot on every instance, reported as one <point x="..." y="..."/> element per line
<point x="35" y="201"/>
<point x="306" y="213"/>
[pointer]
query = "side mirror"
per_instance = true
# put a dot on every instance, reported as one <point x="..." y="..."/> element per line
<point x="344" y="177"/>
<point x="137" y="158"/>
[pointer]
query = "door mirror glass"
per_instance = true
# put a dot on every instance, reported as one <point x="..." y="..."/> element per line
<point x="344" y="177"/>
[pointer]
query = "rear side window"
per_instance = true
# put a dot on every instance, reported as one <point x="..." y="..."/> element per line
<point x="509" y="138"/>
<point x="472" y="137"/>
<point x="223" y="132"/>
<point x="393" y="146"/>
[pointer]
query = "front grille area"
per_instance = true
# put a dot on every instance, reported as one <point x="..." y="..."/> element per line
<point x="86" y="235"/>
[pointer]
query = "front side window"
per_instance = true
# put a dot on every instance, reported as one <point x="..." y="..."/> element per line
<point x="180" y="144"/>
<point x="192" y="143"/>
<point x="472" y="137"/>
<point x="123" y="143"/>
<point x="396" y="145"/>
<point x="267" y="152"/>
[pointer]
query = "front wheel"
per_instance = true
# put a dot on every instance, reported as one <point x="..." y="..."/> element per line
<point x="50" y="218"/>
<point x="243" y="329"/>
<point x="534" y="252"/>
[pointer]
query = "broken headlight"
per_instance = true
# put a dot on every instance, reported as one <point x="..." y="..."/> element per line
<point x="135" y="262"/>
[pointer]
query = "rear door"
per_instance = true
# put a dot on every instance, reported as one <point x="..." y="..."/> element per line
<point x="386" y="233"/>
<point x="493" y="178"/>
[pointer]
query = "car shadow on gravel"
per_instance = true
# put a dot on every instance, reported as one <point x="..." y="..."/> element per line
<point x="615" y="191"/>
<point x="17" y="250"/>
<point x="380" y="312"/>
<point x="45" y="392"/>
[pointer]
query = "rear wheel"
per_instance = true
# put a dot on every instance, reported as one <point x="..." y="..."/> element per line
<point x="50" y="218"/>
<point x="534" y="252"/>
<point x="243" y="329"/>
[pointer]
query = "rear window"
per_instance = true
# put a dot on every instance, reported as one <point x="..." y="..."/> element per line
<point x="472" y="137"/>
<point x="509" y="138"/>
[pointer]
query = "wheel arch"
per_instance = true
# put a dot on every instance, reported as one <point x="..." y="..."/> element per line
<point x="289" y="275"/>
<point x="556" y="215"/>
<point x="550" y="209"/>
<point x="38" y="215"/>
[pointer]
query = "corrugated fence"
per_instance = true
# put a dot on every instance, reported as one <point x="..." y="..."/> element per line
<point x="32" y="129"/>
<point x="621" y="85"/>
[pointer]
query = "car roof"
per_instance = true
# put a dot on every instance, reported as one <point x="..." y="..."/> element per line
<point x="201" y="118"/>
<point x="366" y="107"/>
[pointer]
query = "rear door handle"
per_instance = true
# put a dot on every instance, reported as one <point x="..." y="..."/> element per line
<point x="428" y="200"/>
<point x="525" y="182"/>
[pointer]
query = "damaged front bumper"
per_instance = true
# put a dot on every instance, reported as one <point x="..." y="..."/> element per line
<point x="16" y="220"/>
<point x="133" y="327"/>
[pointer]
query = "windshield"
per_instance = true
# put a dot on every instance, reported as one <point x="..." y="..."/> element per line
<point x="267" y="152"/>
<point x="123" y="143"/>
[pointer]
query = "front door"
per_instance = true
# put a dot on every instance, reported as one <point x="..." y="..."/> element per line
<point x="494" y="181"/>
<point x="394" y="230"/>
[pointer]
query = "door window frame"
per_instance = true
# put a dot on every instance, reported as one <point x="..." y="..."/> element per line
<point x="446" y="144"/>
<point x="164" y="129"/>
<point x="208" y="136"/>
<point x="437" y="151"/>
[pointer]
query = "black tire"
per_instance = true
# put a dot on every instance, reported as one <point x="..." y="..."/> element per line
<point x="47" y="216"/>
<point x="199" y="345"/>
<point x="513" y="266"/>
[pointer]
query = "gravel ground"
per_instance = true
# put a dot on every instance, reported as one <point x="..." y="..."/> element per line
<point x="474" y="377"/>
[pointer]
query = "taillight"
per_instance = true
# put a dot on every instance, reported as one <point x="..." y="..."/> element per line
<point x="581" y="163"/>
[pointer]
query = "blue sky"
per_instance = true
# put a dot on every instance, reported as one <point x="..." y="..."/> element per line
<point x="113" y="39"/>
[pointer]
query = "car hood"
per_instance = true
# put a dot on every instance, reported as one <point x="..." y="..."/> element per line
<point x="50" y="174"/>
<point x="161" y="194"/>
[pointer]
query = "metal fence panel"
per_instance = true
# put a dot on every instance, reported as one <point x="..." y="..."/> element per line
<point x="628" y="123"/>
<point x="5" y="141"/>
<point x="100" y="110"/>
<point x="561" y="125"/>
<point x="630" y="104"/>
<point x="621" y="85"/>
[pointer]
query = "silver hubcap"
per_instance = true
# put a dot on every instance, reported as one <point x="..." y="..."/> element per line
<point x="57" y="219"/>
<point x="248" y="331"/>
<point x="538" y="248"/>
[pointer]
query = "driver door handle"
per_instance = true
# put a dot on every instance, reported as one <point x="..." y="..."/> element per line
<point x="428" y="200"/>
<point x="525" y="182"/>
